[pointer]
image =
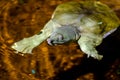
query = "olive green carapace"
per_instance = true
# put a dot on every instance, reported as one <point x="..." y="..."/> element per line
<point x="86" y="22"/>
<point x="96" y="11"/>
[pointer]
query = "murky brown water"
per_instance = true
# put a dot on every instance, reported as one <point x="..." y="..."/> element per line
<point x="24" y="18"/>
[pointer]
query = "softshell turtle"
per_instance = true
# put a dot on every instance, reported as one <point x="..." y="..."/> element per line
<point x="86" y="22"/>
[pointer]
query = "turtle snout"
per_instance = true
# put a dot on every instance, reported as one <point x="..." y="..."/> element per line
<point x="50" y="42"/>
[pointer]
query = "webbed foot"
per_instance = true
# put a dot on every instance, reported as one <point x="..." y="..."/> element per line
<point x="88" y="43"/>
<point x="26" y="45"/>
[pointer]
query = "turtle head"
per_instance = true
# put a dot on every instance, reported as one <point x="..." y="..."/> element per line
<point x="63" y="34"/>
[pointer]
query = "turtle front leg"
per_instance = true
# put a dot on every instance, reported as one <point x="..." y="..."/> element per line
<point x="88" y="42"/>
<point x="26" y="45"/>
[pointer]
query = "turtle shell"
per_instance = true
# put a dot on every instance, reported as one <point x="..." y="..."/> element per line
<point x="88" y="16"/>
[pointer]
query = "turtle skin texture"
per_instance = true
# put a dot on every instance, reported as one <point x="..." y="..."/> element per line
<point x="86" y="22"/>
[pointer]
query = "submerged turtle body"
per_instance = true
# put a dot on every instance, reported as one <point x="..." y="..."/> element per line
<point x="87" y="22"/>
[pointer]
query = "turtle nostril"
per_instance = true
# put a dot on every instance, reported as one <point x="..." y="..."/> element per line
<point x="50" y="42"/>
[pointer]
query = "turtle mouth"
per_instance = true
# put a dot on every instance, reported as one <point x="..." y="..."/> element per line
<point x="54" y="42"/>
<point x="55" y="39"/>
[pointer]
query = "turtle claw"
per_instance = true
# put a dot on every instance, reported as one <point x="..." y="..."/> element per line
<point x="95" y="56"/>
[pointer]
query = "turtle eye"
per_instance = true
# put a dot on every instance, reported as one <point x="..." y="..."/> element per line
<point x="60" y="37"/>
